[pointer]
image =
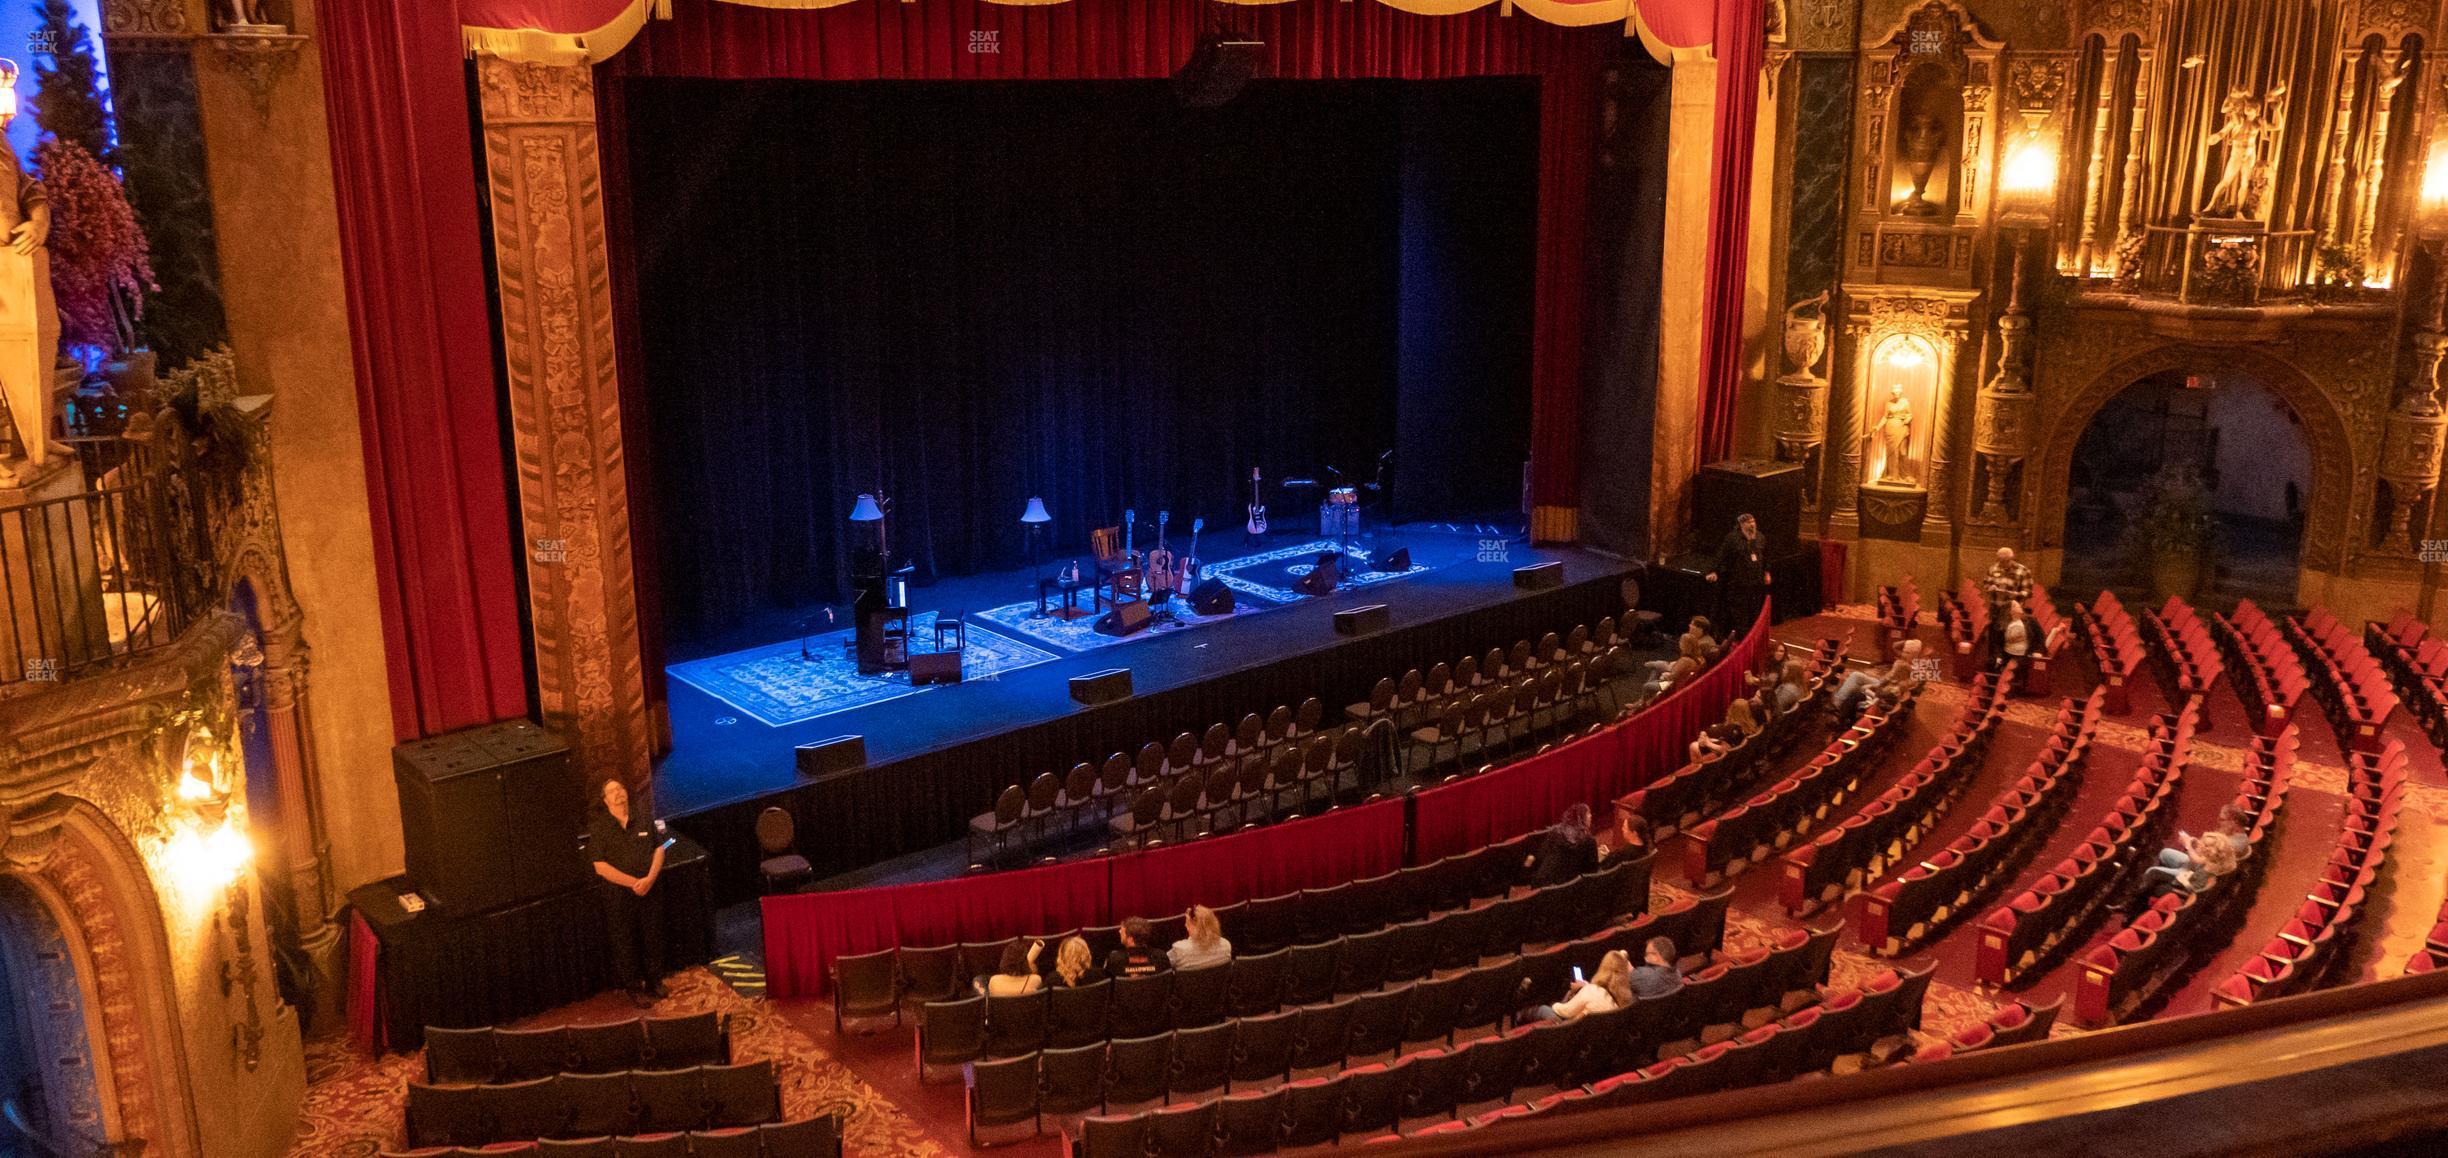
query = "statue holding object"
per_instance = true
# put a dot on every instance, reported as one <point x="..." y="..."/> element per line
<point x="29" y="323"/>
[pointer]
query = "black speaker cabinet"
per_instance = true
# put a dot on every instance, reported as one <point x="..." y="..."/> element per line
<point x="491" y="816"/>
<point x="1540" y="576"/>
<point x="833" y="756"/>
<point x="1212" y="598"/>
<point x="1102" y="687"/>
<point x="1125" y="618"/>
<point x="1396" y="562"/>
<point x="1217" y="69"/>
<point x="935" y="667"/>
<point x="1768" y="490"/>
<point x="1361" y="620"/>
<point x="1322" y="578"/>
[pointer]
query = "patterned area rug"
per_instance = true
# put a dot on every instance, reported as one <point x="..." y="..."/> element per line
<point x="356" y="1106"/>
<point x="1271" y="574"/>
<point x="1081" y="634"/>
<point x="777" y="687"/>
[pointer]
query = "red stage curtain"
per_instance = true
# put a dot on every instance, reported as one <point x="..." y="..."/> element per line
<point x="364" y="1000"/>
<point x="1304" y="38"/>
<point x="1742" y="39"/>
<point x="405" y="180"/>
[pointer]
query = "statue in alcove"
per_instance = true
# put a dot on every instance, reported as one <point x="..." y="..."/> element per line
<point x="1921" y="143"/>
<point x="29" y="323"/>
<point x="2244" y="137"/>
<point x="1895" y="435"/>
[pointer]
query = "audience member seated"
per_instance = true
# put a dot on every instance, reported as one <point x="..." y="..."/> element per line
<point x="1568" y="850"/>
<point x="1075" y="966"/>
<point x="1658" y="976"/>
<point x="1136" y="958"/>
<point x="1713" y="742"/>
<point x="1792" y="683"/>
<point x="1626" y="838"/>
<point x="1665" y="673"/>
<point x="1205" y="945"/>
<point x="2013" y="639"/>
<point x="1698" y="632"/>
<point x="2192" y="868"/>
<point x="1608" y="991"/>
<point x="1899" y="678"/>
<point x="1017" y="975"/>
<point x="1745" y="714"/>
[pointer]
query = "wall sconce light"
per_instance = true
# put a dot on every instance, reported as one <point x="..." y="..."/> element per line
<point x="2027" y="182"/>
<point x="2431" y="207"/>
<point x="8" y="92"/>
<point x="208" y="851"/>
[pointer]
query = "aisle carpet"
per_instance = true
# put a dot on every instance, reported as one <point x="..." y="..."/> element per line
<point x="778" y="685"/>
<point x="356" y="1105"/>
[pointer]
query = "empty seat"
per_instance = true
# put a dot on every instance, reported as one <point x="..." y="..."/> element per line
<point x="866" y="985"/>
<point x="741" y="1095"/>
<point x="810" y="1138"/>
<point x="1071" y="1081"/>
<point x="1202" y="1060"/>
<point x="446" y="1115"/>
<point x="1001" y="1093"/>
<point x="599" y="1104"/>
<point x="1137" y="1068"/>
<point x="951" y="1033"/>
<point x="531" y="1053"/>
<point x="728" y="1143"/>
<point x="1125" y="1136"/>
<point x="669" y="1099"/>
<point x="459" y="1056"/>
<point x="695" y="1039"/>
<point x="1078" y="1016"/>
<point x="1182" y="1131"/>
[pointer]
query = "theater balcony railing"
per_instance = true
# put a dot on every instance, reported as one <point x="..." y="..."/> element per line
<point x="114" y="554"/>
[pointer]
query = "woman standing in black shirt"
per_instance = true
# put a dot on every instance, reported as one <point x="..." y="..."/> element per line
<point x="628" y="856"/>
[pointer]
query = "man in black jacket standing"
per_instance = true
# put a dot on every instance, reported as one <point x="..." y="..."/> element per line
<point x="1741" y="574"/>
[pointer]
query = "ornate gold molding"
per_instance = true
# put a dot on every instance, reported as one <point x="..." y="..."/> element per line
<point x="545" y="188"/>
<point x="145" y="18"/>
<point x="259" y="61"/>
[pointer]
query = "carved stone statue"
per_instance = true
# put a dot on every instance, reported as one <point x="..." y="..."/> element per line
<point x="29" y="321"/>
<point x="242" y="16"/>
<point x="2245" y="135"/>
<point x="1806" y="334"/>
<point x="1895" y="435"/>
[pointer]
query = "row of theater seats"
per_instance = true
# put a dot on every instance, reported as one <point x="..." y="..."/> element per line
<point x="811" y="1138"/>
<point x="492" y="1054"/>
<point x="2345" y="678"/>
<point x="1899" y="615"/>
<point x="1703" y="787"/>
<point x="1871" y="1021"/>
<point x="1911" y="909"/>
<point x="2014" y="1023"/>
<point x="1964" y="616"/>
<point x="2418" y="665"/>
<point x="595" y="1105"/>
<point x="1375" y="1098"/>
<point x="2189" y="659"/>
<point x="2125" y="972"/>
<point x="1733" y="840"/>
<point x="2058" y="906"/>
<point x="1250" y="985"/>
<point x="2300" y="956"/>
<point x="2267" y="673"/>
<point x="1857" y="851"/>
<point x="1340" y="1036"/>
<point x="2116" y="647"/>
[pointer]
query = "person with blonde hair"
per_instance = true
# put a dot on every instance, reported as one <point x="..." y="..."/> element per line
<point x="1743" y="716"/>
<point x="1205" y="945"/>
<point x="1075" y="966"/>
<point x="1607" y="990"/>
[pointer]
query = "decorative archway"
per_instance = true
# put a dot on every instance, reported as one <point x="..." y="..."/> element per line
<point x="2331" y="506"/>
<point x="92" y="883"/>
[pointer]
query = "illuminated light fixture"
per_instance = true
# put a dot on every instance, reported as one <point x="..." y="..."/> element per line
<point x="1905" y="355"/>
<point x="195" y="789"/>
<point x="2028" y="182"/>
<point x="2431" y="206"/>
<point x="865" y="510"/>
<point x="1036" y="512"/>
<point x="8" y="91"/>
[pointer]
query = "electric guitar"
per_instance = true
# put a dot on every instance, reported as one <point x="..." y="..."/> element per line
<point x="1160" y="575"/>
<point x="1130" y="528"/>
<point x="1257" y="506"/>
<point x="1190" y="563"/>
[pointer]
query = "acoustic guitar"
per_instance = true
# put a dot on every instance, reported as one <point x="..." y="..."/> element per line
<point x="1160" y="575"/>
<point x="1257" y="506"/>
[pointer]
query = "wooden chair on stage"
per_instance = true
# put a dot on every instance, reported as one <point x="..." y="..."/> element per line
<point x="1105" y="547"/>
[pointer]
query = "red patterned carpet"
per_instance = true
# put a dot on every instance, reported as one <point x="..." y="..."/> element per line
<point x="356" y="1105"/>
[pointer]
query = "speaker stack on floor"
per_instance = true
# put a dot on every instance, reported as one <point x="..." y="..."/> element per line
<point x="1125" y="618"/>
<point x="491" y="816"/>
<point x="1212" y="598"/>
<point x="1102" y="687"/>
<point x="1321" y="579"/>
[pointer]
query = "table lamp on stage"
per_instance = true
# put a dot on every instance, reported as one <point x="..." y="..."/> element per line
<point x="1035" y="518"/>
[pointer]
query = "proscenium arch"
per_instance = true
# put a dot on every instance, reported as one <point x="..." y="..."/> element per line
<point x="2330" y="507"/>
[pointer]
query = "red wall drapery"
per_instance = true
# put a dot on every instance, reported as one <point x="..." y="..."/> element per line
<point x="405" y="178"/>
<point x="1316" y="39"/>
<point x="1742" y="41"/>
<point x="804" y="932"/>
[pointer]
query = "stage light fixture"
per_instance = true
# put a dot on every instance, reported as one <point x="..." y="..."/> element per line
<point x="865" y="510"/>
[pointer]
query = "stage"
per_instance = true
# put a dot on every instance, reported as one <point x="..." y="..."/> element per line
<point x="938" y="755"/>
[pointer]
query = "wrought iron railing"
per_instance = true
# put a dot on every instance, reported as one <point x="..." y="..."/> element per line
<point x="116" y="565"/>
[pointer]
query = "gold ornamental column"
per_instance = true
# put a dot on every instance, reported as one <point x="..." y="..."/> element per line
<point x="546" y="191"/>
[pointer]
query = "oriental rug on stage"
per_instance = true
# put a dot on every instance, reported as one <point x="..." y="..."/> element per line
<point x="1261" y="582"/>
<point x="784" y="683"/>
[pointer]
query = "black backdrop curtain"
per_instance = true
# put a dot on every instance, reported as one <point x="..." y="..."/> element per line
<point x="972" y="293"/>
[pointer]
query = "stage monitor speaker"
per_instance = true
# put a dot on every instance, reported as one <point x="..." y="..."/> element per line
<point x="1361" y="620"/>
<point x="1322" y="578"/>
<point x="1217" y="69"/>
<point x="1540" y="576"/>
<point x="934" y="667"/>
<point x="1769" y="490"/>
<point x="1102" y="687"/>
<point x="1396" y="563"/>
<point x="490" y="816"/>
<point x="1125" y="618"/>
<point x="832" y="757"/>
<point x="1212" y="598"/>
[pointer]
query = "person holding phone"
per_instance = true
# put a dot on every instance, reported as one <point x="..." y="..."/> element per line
<point x="628" y="852"/>
<point x="1609" y="991"/>
<point x="1017" y="975"/>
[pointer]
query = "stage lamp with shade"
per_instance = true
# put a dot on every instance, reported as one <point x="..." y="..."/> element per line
<point x="1034" y="519"/>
